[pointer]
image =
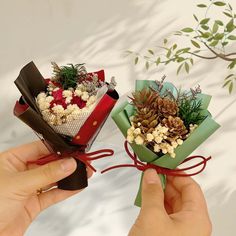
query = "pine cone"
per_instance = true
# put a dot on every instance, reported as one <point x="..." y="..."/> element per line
<point x="176" y="127"/>
<point x="167" y="107"/>
<point x="146" y="117"/>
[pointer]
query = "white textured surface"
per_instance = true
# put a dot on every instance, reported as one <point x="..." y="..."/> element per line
<point x="97" y="32"/>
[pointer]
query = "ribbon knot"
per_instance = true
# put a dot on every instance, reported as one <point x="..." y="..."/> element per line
<point x="84" y="157"/>
<point x="162" y="170"/>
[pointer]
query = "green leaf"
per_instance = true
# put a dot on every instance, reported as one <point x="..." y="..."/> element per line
<point x="195" y="44"/>
<point x="174" y="46"/>
<point x="206" y="35"/>
<point x="219" y="22"/>
<point x="230" y="26"/>
<point x="136" y="60"/>
<point x="168" y="53"/>
<point x="147" y="65"/>
<point x="219" y="36"/>
<point x="232" y="64"/>
<point x="214" y="43"/>
<point x="186" y="65"/>
<point x="204" y="21"/>
<point x="231" y="87"/>
<point x="220" y="4"/>
<point x="150" y="51"/>
<point x="183" y="50"/>
<point x="191" y="60"/>
<point x="195" y="17"/>
<point x="158" y="61"/>
<point x="179" y="68"/>
<point x="215" y="28"/>
<point x="205" y="27"/>
<point x="180" y="59"/>
<point x="187" y="30"/>
<point x="201" y="5"/>
<point x="165" y="41"/>
<point x="224" y="43"/>
<point x="232" y="37"/>
<point x="229" y="76"/>
<point x="227" y="14"/>
<point x="226" y="83"/>
<point x="230" y="7"/>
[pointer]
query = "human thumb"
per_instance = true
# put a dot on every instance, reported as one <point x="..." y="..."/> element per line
<point x="152" y="192"/>
<point x="29" y="181"/>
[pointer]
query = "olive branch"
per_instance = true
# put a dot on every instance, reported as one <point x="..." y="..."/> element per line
<point x="211" y="35"/>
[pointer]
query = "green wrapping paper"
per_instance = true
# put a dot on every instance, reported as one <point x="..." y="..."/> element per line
<point x="208" y="126"/>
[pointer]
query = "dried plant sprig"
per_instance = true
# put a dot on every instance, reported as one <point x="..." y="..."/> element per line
<point x="209" y="35"/>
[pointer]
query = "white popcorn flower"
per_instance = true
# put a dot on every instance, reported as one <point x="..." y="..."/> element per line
<point x="139" y="124"/>
<point x="55" y="89"/>
<point x="85" y="109"/>
<point x="173" y="155"/>
<point x="137" y="131"/>
<point x="139" y="140"/>
<point x="68" y="100"/>
<point x="155" y="133"/>
<point x="71" y="108"/>
<point x="41" y="95"/>
<point x="130" y="138"/>
<point x="164" y="150"/>
<point x="156" y="148"/>
<point x="130" y="131"/>
<point x="150" y="137"/>
<point x="44" y="105"/>
<point x="67" y="93"/>
<point x="158" y="139"/>
<point x="78" y="92"/>
<point x="49" y="99"/>
<point x="58" y="109"/>
<point x="174" y="144"/>
<point x="170" y="149"/>
<point x="92" y="99"/>
<point x="179" y="141"/>
<point x="85" y="96"/>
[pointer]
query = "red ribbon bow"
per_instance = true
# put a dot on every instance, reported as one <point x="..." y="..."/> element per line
<point x="84" y="157"/>
<point x="161" y="170"/>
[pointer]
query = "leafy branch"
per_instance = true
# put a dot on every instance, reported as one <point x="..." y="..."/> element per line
<point x="209" y="35"/>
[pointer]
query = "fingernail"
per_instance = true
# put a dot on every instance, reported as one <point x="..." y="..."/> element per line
<point x="151" y="176"/>
<point x="68" y="164"/>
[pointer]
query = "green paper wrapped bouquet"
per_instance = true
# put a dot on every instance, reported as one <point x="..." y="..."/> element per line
<point x="163" y="124"/>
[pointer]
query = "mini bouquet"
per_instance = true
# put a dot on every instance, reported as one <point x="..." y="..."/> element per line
<point x="163" y="125"/>
<point x="67" y="111"/>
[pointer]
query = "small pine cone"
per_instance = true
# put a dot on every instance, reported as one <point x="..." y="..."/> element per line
<point x="146" y="119"/>
<point x="176" y="127"/>
<point x="144" y="98"/>
<point x="167" y="107"/>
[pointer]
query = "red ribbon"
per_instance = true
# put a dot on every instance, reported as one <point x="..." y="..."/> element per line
<point x="84" y="157"/>
<point x="161" y="170"/>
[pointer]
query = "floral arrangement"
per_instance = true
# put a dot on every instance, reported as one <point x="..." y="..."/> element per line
<point x="71" y="96"/>
<point x="66" y="111"/>
<point x="163" y="125"/>
<point x="162" y="121"/>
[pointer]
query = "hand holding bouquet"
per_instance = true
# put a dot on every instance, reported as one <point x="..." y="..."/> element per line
<point x="67" y="111"/>
<point x="164" y="125"/>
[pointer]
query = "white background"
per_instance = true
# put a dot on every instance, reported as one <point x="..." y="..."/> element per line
<point x="97" y="33"/>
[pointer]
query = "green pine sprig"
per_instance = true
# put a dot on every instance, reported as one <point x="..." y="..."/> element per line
<point x="68" y="76"/>
<point x="190" y="111"/>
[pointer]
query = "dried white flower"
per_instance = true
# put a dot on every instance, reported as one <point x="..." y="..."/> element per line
<point x="179" y="141"/>
<point x="156" y="148"/>
<point x="130" y="138"/>
<point x="85" y="96"/>
<point x="78" y="92"/>
<point x="139" y="140"/>
<point x="137" y="131"/>
<point x="150" y="137"/>
<point x="67" y="93"/>
<point x="41" y="95"/>
<point x="58" y="109"/>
